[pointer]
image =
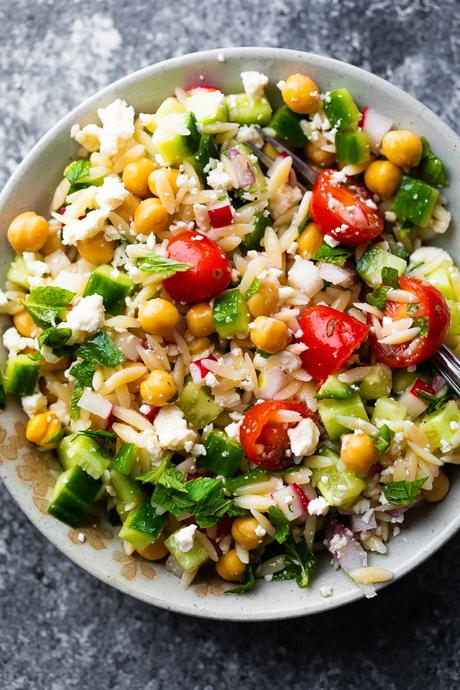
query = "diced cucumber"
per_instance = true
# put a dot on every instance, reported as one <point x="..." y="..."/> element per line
<point x="333" y="388"/>
<point x="431" y="168"/>
<point x="376" y="384"/>
<point x="176" y="137"/>
<point x="18" y="272"/>
<point x="443" y="427"/>
<point x="440" y="279"/>
<point x="329" y="410"/>
<point x="206" y="150"/>
<point x="248" y="111"/>
<point x="252" y="240"/>
<point x="388" y="410"/>
<point x="170" y="106"/>
<point x="340" y="488"/>
<point x="197" y="405"/>
<point x="114" y="289"/>
<point x="73" y="494"/>
<point x="251" y="477"/>
<point x="125" y="459"/>
<point x="454" y="326"/>
<point x="415" y="201"/>
<point x="370" y="265"/>
<point x="129" y="492"/>
<point x="77" y="449"/>
<point x="21" y="374"/>
<point x="230" y="314"/>
<point x="208" y="106"/>
<point x="188" y="560"/>
<point x="143" y="525"/>
<point x="286" y="126"/>
<point x="402" y="379"/>
<point x="352" y="147"/>
<point x="341" y="110"/>
<point x="2" y="392"/>
<point x="223" y="455"/>
<point x="260" y="183"/>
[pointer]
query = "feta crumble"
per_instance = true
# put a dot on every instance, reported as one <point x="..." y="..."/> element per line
<point x="184" y="538"/>
<point x="254" y="83"/>
<point x="112" y="194"/>
<point x="33" y="404"/>
<point x="304" y="438"/>
<point x="14" y="342"/>
<point x="171" y="428"/>
<point x="87" y="315"/>
<point x="318" y="506"/>
<point x="117" y="126"/>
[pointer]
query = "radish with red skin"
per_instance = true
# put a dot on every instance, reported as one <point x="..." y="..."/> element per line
<point x="221" y="214"/>
<point x="202" y="368"/>
<point x="292" y="501"/>
<point x="376" y="126"/>
<point x="95" y="404"/>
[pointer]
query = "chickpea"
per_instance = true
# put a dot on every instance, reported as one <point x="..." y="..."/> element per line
<point x="44" y="430"/>
<point x="265" y="301"/>
<point x="96" y="250"/>
<point x="439" y="489"/>
<point x="128" y="207"/>
<point x="402" y="147"/>
<point x="158" y="316"/>
<point x="28" y="232"/>
<point x="199" y="345"/>
<point x="150" y="216"/>
<point x="244" y="532"/>
<point x="158" y="388"/>
<point x="358" y="452"/>
<point x="52" y="244"/>
<point x="171" y="173"/>
<point x="310" y="241"/>
<point x="317" y="156"/>
<point x="229" y="567"/>
<point x="269" y="334"/>
<point x="154" y="551"/>
<point x="199" y="319"/>
<point x="382" y="178"/>
<point x="135" y="176"/>
<point x="301" y="94"/>
<point x="25" y="324"/>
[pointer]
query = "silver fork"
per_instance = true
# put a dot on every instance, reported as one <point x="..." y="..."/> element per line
<point x="444" y="361"/>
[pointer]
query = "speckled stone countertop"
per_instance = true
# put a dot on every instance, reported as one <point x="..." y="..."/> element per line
<point x="60" y="628"/>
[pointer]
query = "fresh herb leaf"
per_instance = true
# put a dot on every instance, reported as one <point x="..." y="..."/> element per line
<point x="45" y="304"/>
<point x="437" y="403"/>
<point x="236" y="511"/>
<point x="431" y="168"/>
<point x="101" y="349"/>
<point x="403" y="493"/>
<point x="153" y="263"/>
<point x="378" y="296"/>
<point x="83" y="372"/>
<point x="390" y="276"/>
<point x="99" y="433"/>
<point x="78" y="171"/>
<point x="422" y="323"/>
<point x="165" y="475"/>
<point x="383" y="440"/>
<point x="413" y="308"/>
<point x="204" y="498"/>
<point x="248" y="583"/>
<point x="263" y="354"/>
<point x="77" y="392"/>
<point x="332" y="255"/>
<point x="300" y="563"/>
<point x="54" y="337"/>
<point x="253" y="288"/>
<point x="397" y="248"/>
<point x="280" y="523"/>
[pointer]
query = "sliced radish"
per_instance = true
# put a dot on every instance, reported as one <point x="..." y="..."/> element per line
<point x="198" y="368"/>
<point x="128" y="344"/>
<point x="203" y="88"/>
<point x="244" y="172"/>
<point x="291" y="501"/>
<point x="221" y="214"/>
<point x="274" y="381"/>
<point x="376" y="126"/>
<point x="414" y="405"/>
<point x="95" y="404"/>
<point x="420" y="385"/>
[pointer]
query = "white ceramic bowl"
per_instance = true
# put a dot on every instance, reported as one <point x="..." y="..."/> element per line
<point x="28" y="475"/>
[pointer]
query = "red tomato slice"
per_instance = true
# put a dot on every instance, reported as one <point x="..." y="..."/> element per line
<point x="264" y="439"/>
<point x="331" y="337"/>
<point x="432" y="308"/>
<point x="345" y="211"/>
<point x="211" y="271"/>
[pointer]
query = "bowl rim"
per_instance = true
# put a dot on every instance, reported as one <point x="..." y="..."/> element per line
<point x="187" y="60"/>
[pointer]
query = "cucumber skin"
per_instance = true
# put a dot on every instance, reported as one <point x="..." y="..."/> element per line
<point x="352" y="148"/>
<point x="247" y="478"/>
<point x="253" y="239"/>
<point x="113" y="291"/>
<point x="230" y="314"/>
<point x="287" y="126"/>
<point x="330" y="409"/>
<point x="335" y="389"/>
<point x="125" y="459"/>
<point x="73" y="494"/>
<point x="425" y="195"/>
<point x="341" y="110"/>
<point x="223" y="456"/>
<point x="21" y="375"/>
<point x="198" y="407"/>
<point x="370" y="265"/>
<point x="143" y="525"/>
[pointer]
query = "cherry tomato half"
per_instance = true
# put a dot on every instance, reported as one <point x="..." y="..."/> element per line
<point x="264" y="439"/>
<point x="210" y="273"/>
<point x="331" y="337"/>
<point x="430" y="312"/>
<point x="345" y="211"/>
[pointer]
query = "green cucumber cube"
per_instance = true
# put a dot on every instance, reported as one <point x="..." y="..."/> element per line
<point x="376" y="384"/>
<point x="188" y="560"/>
<point x="18" y="272"/>
<point x="125" y="459"/>
<point x="329" y="410"/>
<point x="370" y="265"/>
<point x="206" y="150"/>
<point x="352" y="147"/>
<point x="415" y="201"/>
<point x="252" y="240"/>
<point x="230" y="314"/>
<point x="440" y="279"/>
<point x="388" y="410"/>
<point x="77" y="449"/>
<point x="443" y="428"/>
<point x="248" y="111"/>
<point x="170" y="106"/>
<point x="176" y="137"/>
<point x="287" y="127"/>
<point x="340" y="488"/>
<point x="341" y="110"/>
<point x="73" y="494"/>
<point x="21" y="374"/>
<point x="113" y="286"/>
<point x="143" y="525"/>
<point x="251" y="477"/>
<point x="197" y="405"/>
<point x="129" y="492"/>
<point x="208" y="106"/>
<point x="223" y="455"/>
<point x="333" y="388"/>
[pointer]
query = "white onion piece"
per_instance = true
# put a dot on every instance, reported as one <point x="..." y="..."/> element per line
<point x="274" y="381"/>
<point x="376" y="126"/>
<point x="360" y="525"/>
<point x="95" y="404"/>
<point x="128" y="344"/>
<point x="414" y="405"/>
<point x="349" y="553"/>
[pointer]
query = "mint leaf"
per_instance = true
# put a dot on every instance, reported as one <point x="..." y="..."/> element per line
<point x="46" y="304"/>
<point x="166" y="475"/>
<point x="248" y="583"/>
<point x="253" y="288"/>
<point x="78" y="171"/>
<point x="383" y="440"/>
<point x="101" y="349"/>
<point x="280" y="523"/>
<point x="204" y="498"/>
<point x="403" y="493"/>
<point x="77" y="392"/>
<point x="422" y="323"/>
<point x="83" y="372"/>
<point x="390" y="276"/>
<point x="378" y="296"/>
<point x="99" y="433"/>
<point x="161" y="264"/>
<point x="300" y="563"/>
<point x="54" y="337"/>
<point x="332" y="255"/>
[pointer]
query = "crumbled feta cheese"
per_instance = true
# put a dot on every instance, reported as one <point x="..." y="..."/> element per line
<point x="117" y="126"/>
<point x="200" y="211"/>
<point x="81" y="537"/>
<point x="184" y="538"/>
<point x="112" y="194"/>
<point x="145" y="409"/>
<point x="254" y="83"/>
<point x="89" y="226"/>
<point x="304" y="437"/>
<point x="218" y="177"/>
<point x="35" y="267"/>
<point x="171" y="428"/>
<point x="149" y="440"/>
<point x="325" y="591"/>
<point x="14" y="342"/>
<point x="87" y="315"/>
<point x="33" y="404"/>
<point x="68" y="280"/>
<point x="390" y="216"/>
<point x="87" y="136"/>
<point x="305" y="276"/>
<point x="318" y="506"/>
<point x="61" y="411"/>
<point x="233" y="431"/>
<point x="260" y="531"/>
<point x="331" y="241"/>
<point x="250" y="134"/>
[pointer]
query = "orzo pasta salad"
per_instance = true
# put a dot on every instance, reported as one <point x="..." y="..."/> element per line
<point x="235" y="369"/>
